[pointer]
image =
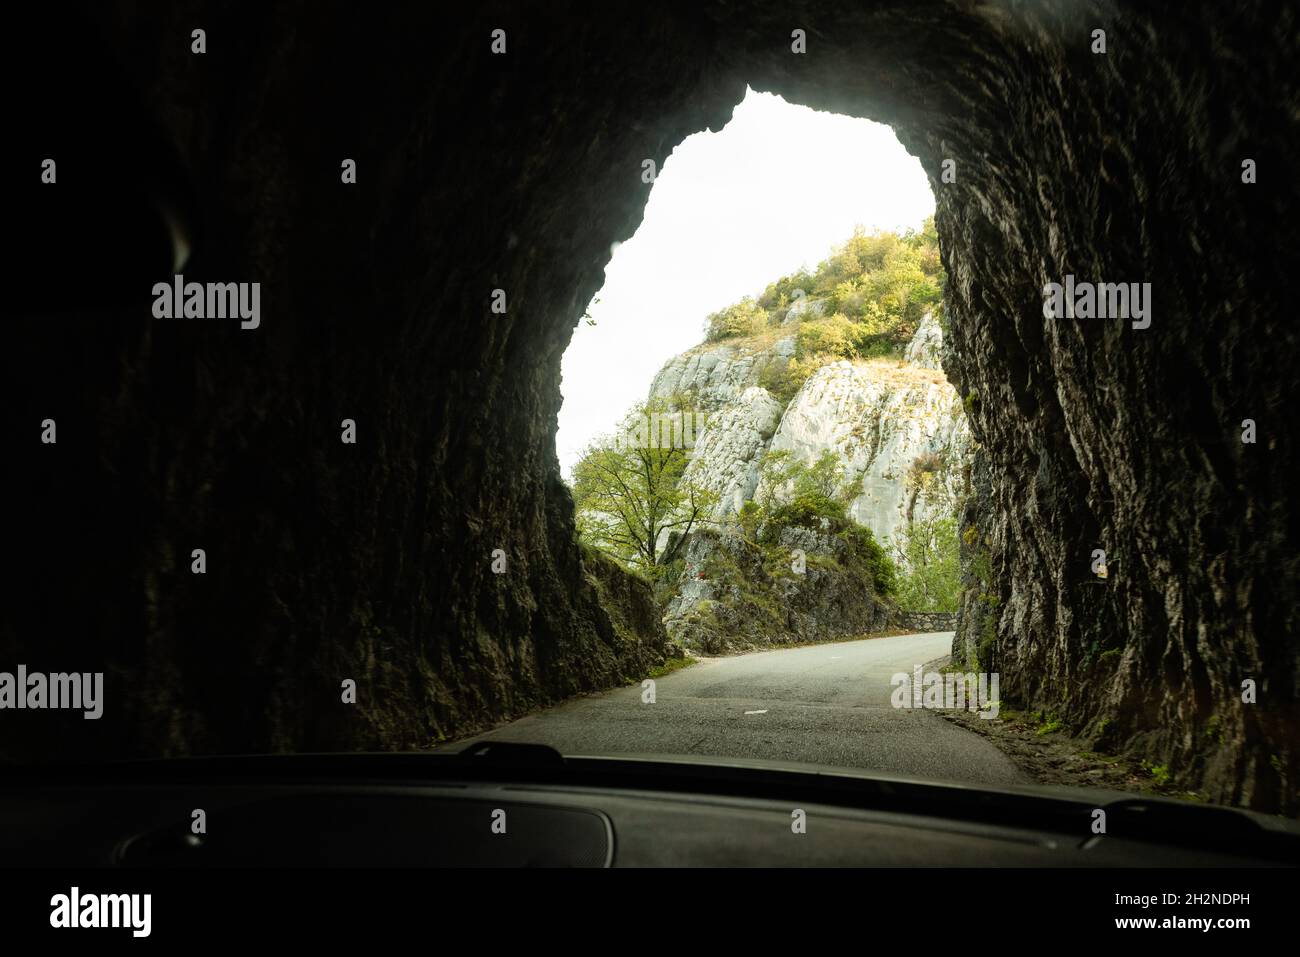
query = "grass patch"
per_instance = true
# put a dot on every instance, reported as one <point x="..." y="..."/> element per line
<point x="669" y="666"/>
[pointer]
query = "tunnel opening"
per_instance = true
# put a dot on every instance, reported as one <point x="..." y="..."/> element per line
<point x="794" y="367"/>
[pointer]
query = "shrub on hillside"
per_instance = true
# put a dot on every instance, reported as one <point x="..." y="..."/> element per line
<point x="834" y="336"/>
<point x="876" y="288"/>
<point x="806" y="510"/>
<point x="884" y="575"/>
<point x="778" y="295"/>
<point x="745" y="318"/>
<point x="785" y="379"/>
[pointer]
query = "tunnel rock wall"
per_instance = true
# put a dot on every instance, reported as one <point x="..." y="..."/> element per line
<point x="1123" y="167"/>
<point x="1117" y="167"/>
<point x="376" y="562"/>
<point x="518" y="172"/>
<point x="1098" y="435"/>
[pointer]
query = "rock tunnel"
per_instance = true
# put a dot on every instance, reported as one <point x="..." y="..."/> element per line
<point x="479" y="172"/>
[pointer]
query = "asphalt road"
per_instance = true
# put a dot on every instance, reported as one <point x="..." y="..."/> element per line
<point x="823" y="704"/>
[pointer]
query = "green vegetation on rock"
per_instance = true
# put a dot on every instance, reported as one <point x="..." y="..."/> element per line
<point x="816" y="498"/>
<point x="869" y="297"/>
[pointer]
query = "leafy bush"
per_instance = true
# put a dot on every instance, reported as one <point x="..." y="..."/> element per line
<point x="799" y="494"/>
<point x="786" y="476"/>
<point x="876" y="287"/>
<point x="1159" y="773"/>
<point x="749" y="518"/>
<point x="884" y="575"/>
<point x="834" y="336"/>
<point x="745" y="318"/>
<point x="806" y="510"/>
<point x="784" y="380"/>
<point x="923" y="466"/>
<point x="816" y="496"/>
<point x="780" y="294"/>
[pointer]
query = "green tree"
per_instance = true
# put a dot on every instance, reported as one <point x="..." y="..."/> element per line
<point x="930" y="572"/>
<point x="628" y="491"/>
<point x="821" y="484"/>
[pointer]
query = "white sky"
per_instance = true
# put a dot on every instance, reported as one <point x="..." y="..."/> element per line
<point x="729" y="212"/>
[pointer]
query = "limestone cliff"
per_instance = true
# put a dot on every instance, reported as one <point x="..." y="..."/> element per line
<point x="886" y="420"/>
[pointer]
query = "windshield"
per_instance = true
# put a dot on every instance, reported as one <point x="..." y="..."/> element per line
<point x="821" y="407"/>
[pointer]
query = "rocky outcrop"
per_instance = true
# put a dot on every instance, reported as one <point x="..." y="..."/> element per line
<point x="807" y="585"/>
<point x="1096" y="435"/>
<point x="803" y="308"/>
<point x="712" y="376"/>
<point x="879" y="417"/>
<point x="727" y="456"/>
<point x="374" y="560"/>
<point x="926" y="347"/>
<point x="629" y="623"/>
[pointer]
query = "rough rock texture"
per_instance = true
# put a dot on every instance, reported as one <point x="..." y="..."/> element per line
<point x="927" y="620"/>
<point x="926" y="347"/>
<point x="629" y="622"/>
<point x="1097" y="435"/>
<point x="714" y="375"/>
<point x="736" y="596"/>
<point x="726" y="457"/>
<point x="328" y="560"/>
<point x="879" y="417"/>
<point x="324" y="561"/>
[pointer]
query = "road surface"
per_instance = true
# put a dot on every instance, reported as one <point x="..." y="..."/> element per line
<point x="823" y="704"/>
